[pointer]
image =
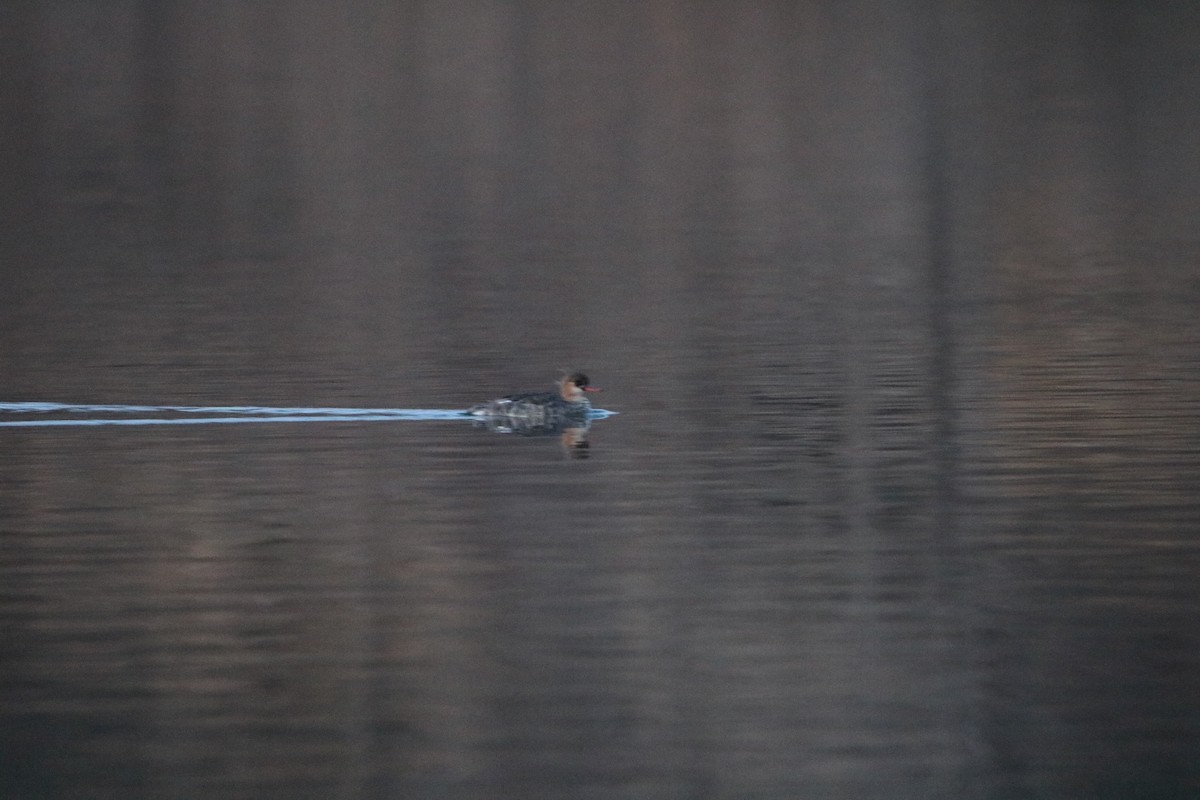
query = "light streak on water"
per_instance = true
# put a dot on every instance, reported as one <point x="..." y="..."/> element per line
<point x="228" y="415"/>
<point x="79" y="408"/>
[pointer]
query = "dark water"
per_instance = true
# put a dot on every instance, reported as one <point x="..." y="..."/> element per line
<point x="897" y="303"/>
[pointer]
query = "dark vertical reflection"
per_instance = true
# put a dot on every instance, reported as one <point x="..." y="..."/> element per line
<point x="20" y="131"/>
<point x="937" y="169"/>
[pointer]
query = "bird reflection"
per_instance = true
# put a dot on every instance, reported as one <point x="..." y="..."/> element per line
<point x="572" y="433"/>
<point x="575" y="442"/>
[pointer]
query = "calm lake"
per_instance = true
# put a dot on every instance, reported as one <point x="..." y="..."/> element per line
<point x="897" y="303"/>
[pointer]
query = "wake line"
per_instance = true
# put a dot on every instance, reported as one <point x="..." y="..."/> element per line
<point x="228" y="415"/>
<point x="77" y="408"/>
<point x="230" y="420"/>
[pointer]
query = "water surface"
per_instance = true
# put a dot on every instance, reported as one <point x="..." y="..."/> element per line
<point x="896" y="303"/>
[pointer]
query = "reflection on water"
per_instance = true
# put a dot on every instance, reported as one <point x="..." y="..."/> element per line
<point x="897" y="304"/>
<point x="572" y="433"/>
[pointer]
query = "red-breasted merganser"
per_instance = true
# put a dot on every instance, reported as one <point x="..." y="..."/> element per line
<point x="542" y="408"/>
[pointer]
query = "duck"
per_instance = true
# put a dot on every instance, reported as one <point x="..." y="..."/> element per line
<point x="542" y="409"/>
